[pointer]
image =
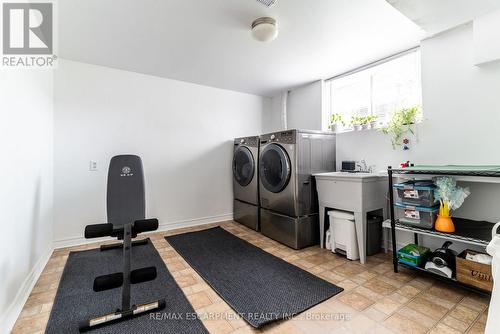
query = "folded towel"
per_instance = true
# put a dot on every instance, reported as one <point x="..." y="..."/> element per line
<point x="480" y="258"/>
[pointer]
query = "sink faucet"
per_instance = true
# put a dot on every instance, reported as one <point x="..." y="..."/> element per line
<point x="364" y="168"/>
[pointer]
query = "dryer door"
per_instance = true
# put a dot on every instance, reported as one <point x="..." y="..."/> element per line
<point x="274" y="168"/>
<point x="243" y="166"/>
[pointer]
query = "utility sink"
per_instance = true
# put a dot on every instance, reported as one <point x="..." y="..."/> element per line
<point x="359" y="193"/>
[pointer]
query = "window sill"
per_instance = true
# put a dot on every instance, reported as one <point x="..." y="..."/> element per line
<point x="347" y="130"/>
<point x="376" y="128"/>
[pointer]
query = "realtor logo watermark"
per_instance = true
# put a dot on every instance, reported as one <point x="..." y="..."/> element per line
<point x="28" y="35"/>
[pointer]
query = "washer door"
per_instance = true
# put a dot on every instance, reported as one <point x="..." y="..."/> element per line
<point x="274" y="168"/>
<point x="243" y="165"/>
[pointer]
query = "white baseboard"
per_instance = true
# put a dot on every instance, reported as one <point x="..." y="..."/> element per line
<point x="167" y="226"/>
<point x="194" y="222"/>
<point x="76" y="241"/>
<point x="9" y="318"/>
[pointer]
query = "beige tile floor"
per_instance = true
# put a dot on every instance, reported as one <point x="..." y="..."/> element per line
<point x="375" y="299"/>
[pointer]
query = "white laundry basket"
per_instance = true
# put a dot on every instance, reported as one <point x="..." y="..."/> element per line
<point x="343" y="233"/>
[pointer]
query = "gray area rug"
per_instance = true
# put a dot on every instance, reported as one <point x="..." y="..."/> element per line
<point x="260" y="287"/>
<point x="76" y="301"/>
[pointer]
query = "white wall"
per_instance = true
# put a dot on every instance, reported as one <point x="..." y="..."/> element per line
<point x="183" y="132"/>
<point x="26" y="198"/>
<point x="487" y="38"/>
<point x="305" y="107"/>
<point x="271" y="117"/>
<point x="461" y="105"/>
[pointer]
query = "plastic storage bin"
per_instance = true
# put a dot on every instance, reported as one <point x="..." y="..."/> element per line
<point x="418" y="216"/>
<point x="413" y="255"/>
<point x="343" y="234"/>
<point x="418" y="193"/>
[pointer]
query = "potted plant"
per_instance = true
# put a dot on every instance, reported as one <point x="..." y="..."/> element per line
<point x="372" y="121"/>
<point x="365" y="122"/>
<point x="335" y="122"/>
<point x="356" y="122"/>
<point x="450" y="197"/>
<point x="400" y="124"/>
<point x="359" y="122"/>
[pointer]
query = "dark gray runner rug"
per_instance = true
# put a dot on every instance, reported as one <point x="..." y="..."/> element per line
<point x="259" y="286"/>
<point x="76" y="301"/>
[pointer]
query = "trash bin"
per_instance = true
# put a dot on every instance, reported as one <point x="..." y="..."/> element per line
<point x="373" y="235"/>
<point x="343" y="234"/>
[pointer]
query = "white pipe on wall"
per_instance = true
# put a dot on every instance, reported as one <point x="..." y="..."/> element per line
<point x="284" y="100"/>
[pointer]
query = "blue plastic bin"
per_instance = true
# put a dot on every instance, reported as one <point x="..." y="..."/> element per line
<point x="418" y="193"/>
<point x="419" y="216"/>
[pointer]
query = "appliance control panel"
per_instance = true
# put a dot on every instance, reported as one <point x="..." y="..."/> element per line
<point x="285" y="137"/>
<point x="248" y="141"/>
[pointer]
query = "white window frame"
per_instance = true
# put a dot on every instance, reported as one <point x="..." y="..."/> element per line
<point x="365" y="68"/>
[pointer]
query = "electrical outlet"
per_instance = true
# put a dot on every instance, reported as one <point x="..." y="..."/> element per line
<point x="93" y="166"/>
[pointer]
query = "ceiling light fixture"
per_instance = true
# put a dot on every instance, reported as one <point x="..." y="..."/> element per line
<point x="265" y="29"/>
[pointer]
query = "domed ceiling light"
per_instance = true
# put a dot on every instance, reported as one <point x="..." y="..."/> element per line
<point x="265" y="29"/>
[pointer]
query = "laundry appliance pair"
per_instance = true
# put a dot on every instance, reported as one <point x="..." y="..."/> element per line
<point x="274" y="190"/>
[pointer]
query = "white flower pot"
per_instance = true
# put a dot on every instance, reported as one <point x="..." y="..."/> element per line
<point x="357" y="127"/>
<point x="373" y="124"/>
<point x="365" y="126"/>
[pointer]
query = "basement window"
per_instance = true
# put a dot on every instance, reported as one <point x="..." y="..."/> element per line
<point x="378" y="89"/>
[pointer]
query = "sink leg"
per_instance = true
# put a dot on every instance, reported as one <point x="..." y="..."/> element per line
<point x="321" y="226"/>
<point x="360" y="222"/>
<point x="386" y="239"/>
<point x="385" y="231"/>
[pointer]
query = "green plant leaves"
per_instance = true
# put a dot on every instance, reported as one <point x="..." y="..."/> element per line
<point x="400" y="124"/>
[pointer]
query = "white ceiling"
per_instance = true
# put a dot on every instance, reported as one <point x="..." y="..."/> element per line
<point x="435" y="16"/>
<point x="208" y="41"/>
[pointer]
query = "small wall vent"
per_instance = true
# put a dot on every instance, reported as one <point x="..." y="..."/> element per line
<point x="267" y="3"/>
